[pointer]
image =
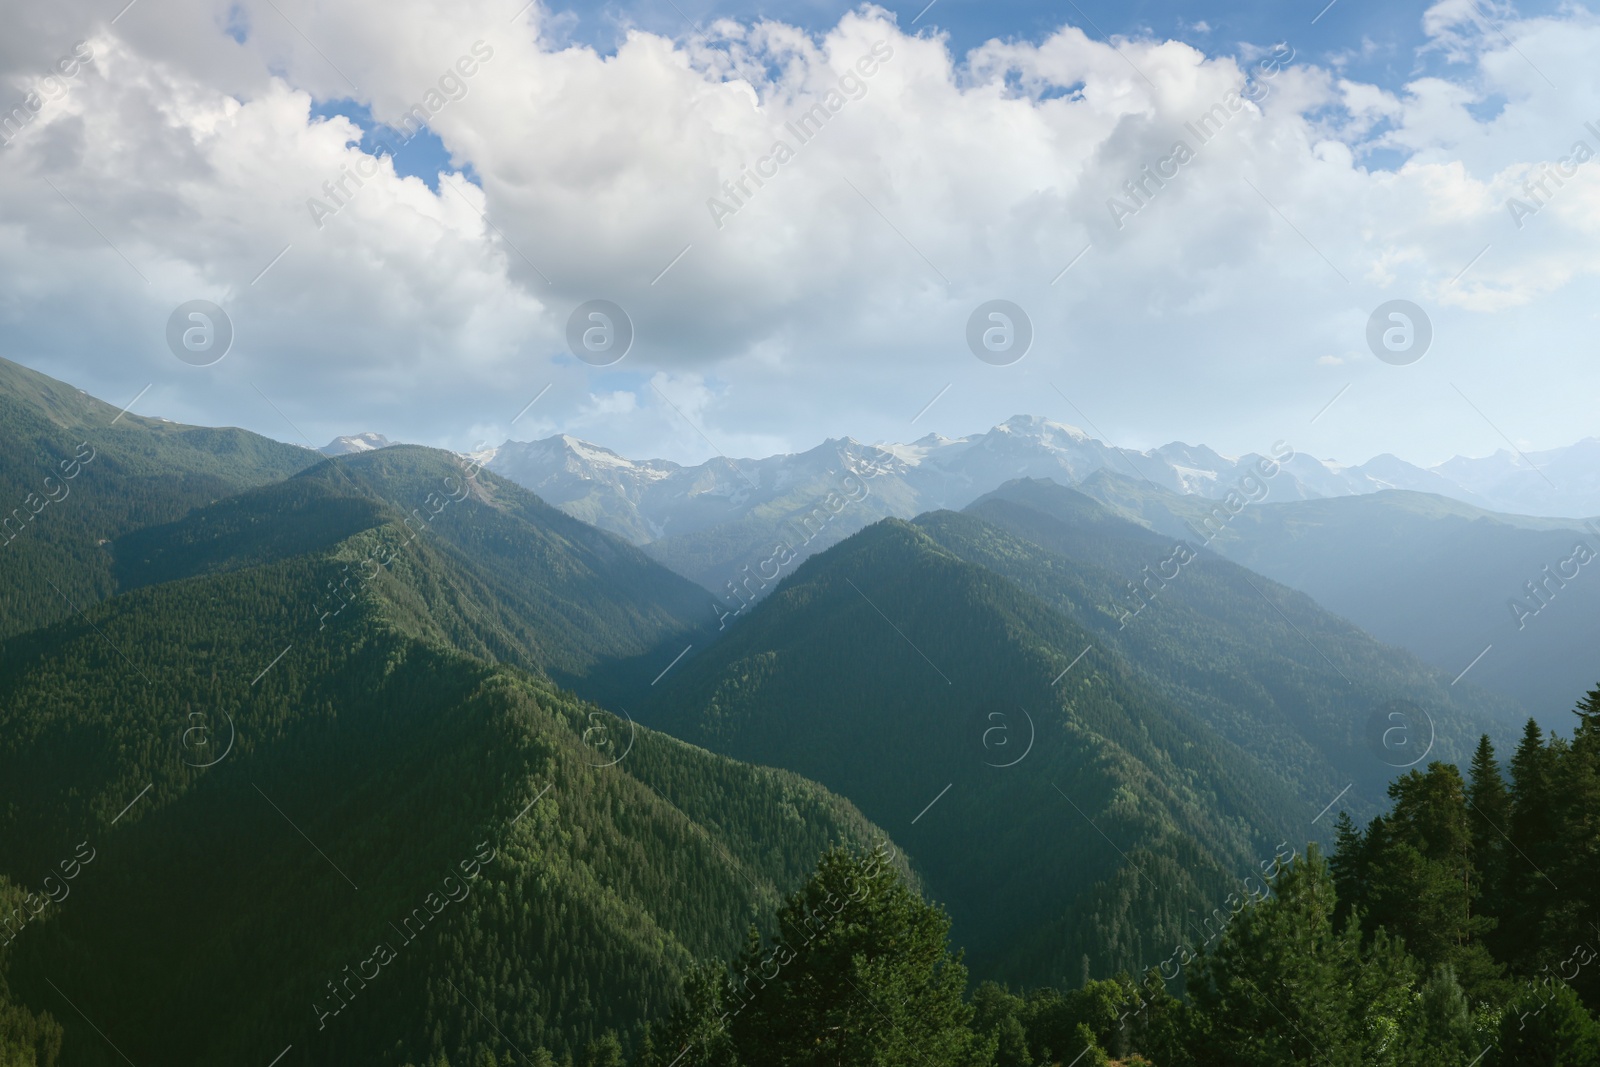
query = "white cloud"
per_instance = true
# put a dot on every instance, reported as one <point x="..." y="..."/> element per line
<point x="835" y="299"/>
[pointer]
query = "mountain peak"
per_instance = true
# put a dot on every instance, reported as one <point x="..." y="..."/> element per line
<point x="361" y="442"/>
<point x="1037" y="426"/>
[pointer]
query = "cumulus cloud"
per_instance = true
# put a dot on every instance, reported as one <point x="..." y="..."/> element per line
<point x="780" y="295"/>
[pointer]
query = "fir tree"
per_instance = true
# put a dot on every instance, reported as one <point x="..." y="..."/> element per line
<point x="1527" y="891"/>
<point x="1490" y="803"/>
<point x="997" y="1015"/>
<point x="860" y="972"/>
<point x="606" y="1051"/>
<point x="1547" y="1025"/>
<point x="1285" y="985"/>
<point x="1439" y="1031"/>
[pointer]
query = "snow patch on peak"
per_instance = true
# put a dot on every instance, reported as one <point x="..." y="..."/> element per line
<point x="595" y="454"/>
<point x="351" y="444"/>
<point x="1037" y="426"/>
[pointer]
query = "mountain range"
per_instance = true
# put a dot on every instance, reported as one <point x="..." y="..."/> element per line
<point x="973" y="662"/>
<point x="1500" y="600"/>
<point x="383" y="757"/>
<point x="286" y="719"/>
<point x="656" y="500"/>
<point x="1414" y="556"/>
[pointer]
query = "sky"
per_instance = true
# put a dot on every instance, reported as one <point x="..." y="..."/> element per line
<point x="679" y="228"/>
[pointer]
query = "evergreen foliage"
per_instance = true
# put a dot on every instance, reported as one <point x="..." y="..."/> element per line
<point x="1271" y="671"/>
<point x="404" y="760"/>
<point x="965" y="675"/>
<point x="308" y="764"/>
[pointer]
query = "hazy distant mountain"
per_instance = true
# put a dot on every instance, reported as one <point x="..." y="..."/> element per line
<point x="726" y="523"/>
<point x="1562" y="481"/>
<point x="717" y="523"/>
<point x="1276" y="673"/>
<point x="361" y="442"/>
<point x="1435" y="576"/>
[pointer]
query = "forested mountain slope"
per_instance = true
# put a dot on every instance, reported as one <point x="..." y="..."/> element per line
<point x="1306" y="692"/>
<point x="76" y="473"/>
<point x="1066" y="813"/>
<point x="252" y="803"/>
<point x="1440" y="578"/>
<point x="509" y="579"/>
<point x="108" y="501"/>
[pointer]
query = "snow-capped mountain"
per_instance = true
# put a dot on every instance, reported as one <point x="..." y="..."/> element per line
<point x="1560" y="481"/>
<point x="696" y="518"/>
<point x="593" y="483"/>
<point x="361" y="442"/>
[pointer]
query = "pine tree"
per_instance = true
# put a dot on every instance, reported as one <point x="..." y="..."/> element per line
<point x="646" y="1056"/>
<point x="1577" y="862"/>
<point x="860" y="972"/>
<point x="1285" y="985"/>
<point x="1527" y="891"/>
<point x="696" y="1034"/>
<point x="1546" y="1024"/>
<point x="1085" y="1050"/>
<point x="1439" y="1031"/>
<point x="1158" y="1023"/>
<point x="1348" y="865"/>
<point x="1423" y="886"/>
<point x="1490" y="803"/>
<point x="606" y="1051"/>
<point x="997" y="1015"/>
<point x="1588" y="708"/>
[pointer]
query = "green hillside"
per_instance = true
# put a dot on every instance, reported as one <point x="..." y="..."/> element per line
<point x="490" y="568"/>
<point x="1427" y="574"/>
<point x="906" y="678"/>
<point x="357" y="772"/>
<point x="75" y="474"/>
<point x="1270" y="670"/>
<point x="336" y="761"/>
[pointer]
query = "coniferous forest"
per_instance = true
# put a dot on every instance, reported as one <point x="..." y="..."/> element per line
<point x="380" y="759"/>
<point x="1438" y="934"/>
<point x="783" y="533"/>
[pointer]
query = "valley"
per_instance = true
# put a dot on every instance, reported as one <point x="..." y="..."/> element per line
<point x="382" y="758"/>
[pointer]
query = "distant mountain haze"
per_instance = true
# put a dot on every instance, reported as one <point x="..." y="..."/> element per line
<point x="657" y="500"/>
<point x="1420" y="558"/>
<point x="1077" y="692"/>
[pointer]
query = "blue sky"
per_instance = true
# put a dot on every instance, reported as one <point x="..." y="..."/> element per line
<point x="1370" y="41"/>
<point x="987" y="157"/>
<point x="420" y="155"/>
